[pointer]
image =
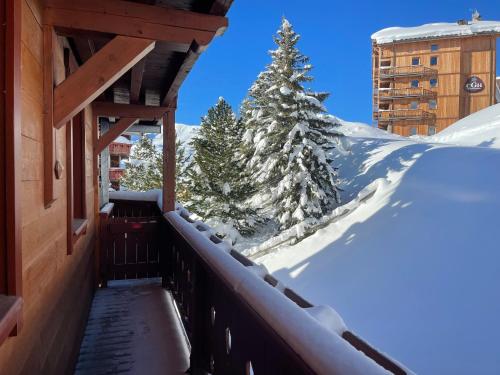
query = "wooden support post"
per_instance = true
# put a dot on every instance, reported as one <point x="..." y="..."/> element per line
<point x="169" y="161"/>
<point x="48" y="130"/>
<point x="96" y="75"/>
<point x="120" y="127"/>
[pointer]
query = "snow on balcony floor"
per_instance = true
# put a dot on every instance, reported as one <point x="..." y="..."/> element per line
<point x="133" y="328"/>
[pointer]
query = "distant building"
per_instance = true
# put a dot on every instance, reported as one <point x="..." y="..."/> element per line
<point x="498" y="90"/>
<point x="119" y="151"/>
<point x="427" y="77"/>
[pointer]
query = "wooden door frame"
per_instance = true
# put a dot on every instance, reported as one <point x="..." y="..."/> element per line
<point x="10" y="170"/>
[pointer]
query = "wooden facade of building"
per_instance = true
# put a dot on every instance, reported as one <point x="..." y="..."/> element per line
<point x="421" y="86"/>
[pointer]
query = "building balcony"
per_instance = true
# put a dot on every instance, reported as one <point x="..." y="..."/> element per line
<point x="116" y="173"/>
<point x="174" y="298"/>
<point x="406" y="93"/>
<point x="122" y="149"/>
<point x="407" y="71"/>
<point x="414" y="115"/>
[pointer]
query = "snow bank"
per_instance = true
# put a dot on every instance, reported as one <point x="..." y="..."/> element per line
<point x="361" y="130"/>
<point x="479" y="129"/>
<point x="435" y="30"/>
<point x="417" y="262"/>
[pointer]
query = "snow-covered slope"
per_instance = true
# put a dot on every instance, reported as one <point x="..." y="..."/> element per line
<point x="362" y="130"/>
<point x="413" y="267"/>
<point x="435" y="30"/>
<point x="184" y="133"/>
<point x="479" y="129"/>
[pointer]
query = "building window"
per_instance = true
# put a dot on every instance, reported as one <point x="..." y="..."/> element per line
<point x="79" y="166"/>
<point x="413" y="130"/>
<point x="415" y="83"/>
<point x="432" y="104"/>
<point x="415" y="61"/>
<point x="431" y="130"/>
<point x="385" y="63"/>
<point x="433" y="82"/>
<point x="414" y="105"/>
<point x="434" y="47"/>
<point x="434" y="60"/>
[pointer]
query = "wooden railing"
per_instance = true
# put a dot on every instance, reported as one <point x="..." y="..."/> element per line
<point x="406" y="93"/>
<point x="238" y="318"/>
<point x="407" y="71"/>
<point x="233" y="318"/>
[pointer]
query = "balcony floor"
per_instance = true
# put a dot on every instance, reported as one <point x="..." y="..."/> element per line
<point x="133" y="328"/>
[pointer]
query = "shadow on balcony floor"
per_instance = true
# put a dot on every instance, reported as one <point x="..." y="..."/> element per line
<point x="133" y="328"/>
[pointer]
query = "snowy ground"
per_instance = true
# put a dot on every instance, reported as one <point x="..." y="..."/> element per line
<point x="413" y="264"/>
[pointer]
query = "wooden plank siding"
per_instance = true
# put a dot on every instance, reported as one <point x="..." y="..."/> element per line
<point x="458" y="59"/>
<point x="57" y="287"/>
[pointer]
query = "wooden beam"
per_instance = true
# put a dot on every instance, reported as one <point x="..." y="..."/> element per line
<point x="176" y="81"/>
<point x="134" y="19"/>
<point x="220" y="7"/>
<point x="169" y="161"/>
<point x="114" y="132"/>
<point x="136" y="81"/>
<point x="96" y="75"/>
<point x="108" y="109"/>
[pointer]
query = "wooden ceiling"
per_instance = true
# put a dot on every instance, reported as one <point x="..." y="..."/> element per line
<point x="156" y="79"/>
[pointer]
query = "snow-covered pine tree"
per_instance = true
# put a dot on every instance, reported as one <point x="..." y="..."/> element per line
<point x="144" y="170"/>
<point x="289" y="137"/>
<point x="217" y="189"/>
<point x="182" y="165"/>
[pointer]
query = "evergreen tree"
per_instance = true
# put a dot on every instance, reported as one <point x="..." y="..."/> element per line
<point x="144" y="170"/>
<point x="217" y="186"/>
<point x="289" y="137"/>
<point x="182" y="165"/>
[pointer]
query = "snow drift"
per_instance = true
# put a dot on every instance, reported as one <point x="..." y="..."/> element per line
<point x="479" y="129"/>
<point x="413" y="266"/>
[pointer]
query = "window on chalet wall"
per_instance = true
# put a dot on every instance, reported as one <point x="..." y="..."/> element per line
<point x="434" y="60"/>
<point x="79" y="166"/>
<point x="433" y="82"/>
<point x="415" y="61"/>
<point x="77" y="212"/>
<point x="434" y="47"/>
<point x="414" y="83"/>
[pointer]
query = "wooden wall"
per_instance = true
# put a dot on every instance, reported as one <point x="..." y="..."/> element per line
<point x="57" y="288"/>
<point x="458" y="59"/>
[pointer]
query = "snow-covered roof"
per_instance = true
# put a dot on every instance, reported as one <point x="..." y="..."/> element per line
<point x="123" y="140"/>
<point x="435" y="30"/>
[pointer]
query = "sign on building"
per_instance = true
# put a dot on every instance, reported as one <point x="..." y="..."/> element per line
<point x="474" y="84"/>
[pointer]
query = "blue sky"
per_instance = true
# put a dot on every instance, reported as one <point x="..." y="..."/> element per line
<point x="334" y="34"/>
